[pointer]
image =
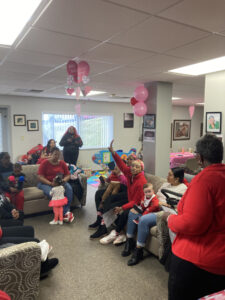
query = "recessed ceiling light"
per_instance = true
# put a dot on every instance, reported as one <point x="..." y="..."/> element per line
<point x="175" y="98"/>
<point x="205" y="67"/>
<point x="92" y="93"/>
<point x="14" y="15"/>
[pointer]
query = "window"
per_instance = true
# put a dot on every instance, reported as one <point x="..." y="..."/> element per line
<point x="95" y="131"/>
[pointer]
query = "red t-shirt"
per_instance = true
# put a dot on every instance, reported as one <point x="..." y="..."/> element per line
<point x="49" y="171"/>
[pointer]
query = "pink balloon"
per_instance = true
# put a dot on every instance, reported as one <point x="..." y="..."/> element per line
<point x="72" y="68"/>
<point x="140" y="109"/>
<point x="83" y="69"/>
<point x="70" y="91"/>
<point x="191" y="111"/>
<point x="141" y="93"/>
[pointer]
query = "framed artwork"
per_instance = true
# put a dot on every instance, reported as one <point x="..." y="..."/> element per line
<point x="201" y="129"/>
<point x="128" y="120"/>
<point x="181" y="130"/>
<point x="148" y="135"/>
<point x="149" y="121"/>
<point x="19" y="120"/>
<point x="32" y="125"/>
<point x="213" y="122"/>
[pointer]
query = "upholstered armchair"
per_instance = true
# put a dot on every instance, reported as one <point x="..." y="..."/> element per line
<point x="20" y="270"/>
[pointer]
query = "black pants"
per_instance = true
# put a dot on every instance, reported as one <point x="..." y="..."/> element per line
<point x="188" y="282"/>
<point x="11" y="222"/>
<point x="77" y="188"/>
<point x="113" y="200"/>
<point x="121" y="221"/>
<point x="18" y="235"/>
<point x="70" y="155"/>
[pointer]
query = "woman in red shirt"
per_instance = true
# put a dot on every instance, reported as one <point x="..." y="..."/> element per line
<point x="47" y="171"/>
<point x="198" y="260"/>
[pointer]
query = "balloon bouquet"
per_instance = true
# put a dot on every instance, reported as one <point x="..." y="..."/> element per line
<point x="78" y="74"/>
<point x="140" y="96"/>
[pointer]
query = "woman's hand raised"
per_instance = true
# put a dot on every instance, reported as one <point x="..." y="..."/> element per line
<point x="111" y="147"/>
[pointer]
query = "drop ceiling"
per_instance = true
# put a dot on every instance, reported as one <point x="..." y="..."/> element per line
<point x="126" y="42"/>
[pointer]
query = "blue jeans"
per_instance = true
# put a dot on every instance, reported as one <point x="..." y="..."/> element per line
<point x="68" y="193"/>
<point x="145" y="223"/>
<point x="131" y="226"/>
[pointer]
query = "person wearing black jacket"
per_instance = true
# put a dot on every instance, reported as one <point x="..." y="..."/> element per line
<point x="71" y="142"/>
<point x="9" y="215"/>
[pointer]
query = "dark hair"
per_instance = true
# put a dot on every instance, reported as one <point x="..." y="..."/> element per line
<point x="2" y="154"/>
<point x="55" y="149"/>
<point x="58" y="179"/>
<point x="210" y="148"/>
<point x="148" y="185"/>
<point x="48" y="150"/>
<point x="178" y="173"/>
<point x="17" y="166"/>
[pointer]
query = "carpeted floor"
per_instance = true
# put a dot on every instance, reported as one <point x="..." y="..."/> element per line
<point x="89" y="270"/>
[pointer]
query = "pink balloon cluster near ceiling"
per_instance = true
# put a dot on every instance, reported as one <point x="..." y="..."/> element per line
<point x="138" y="101"/>
<point x="78" y="75"/>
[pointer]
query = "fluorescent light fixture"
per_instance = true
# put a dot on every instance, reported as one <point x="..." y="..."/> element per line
<point x="175" y="98"/>
<point x="92" y="93"/>
<point x="205" y="67"/>
<point x="14" y="15"/>
<point x="200" y="103"/>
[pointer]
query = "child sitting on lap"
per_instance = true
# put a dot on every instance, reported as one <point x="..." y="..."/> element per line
<point x="58" y="200"/>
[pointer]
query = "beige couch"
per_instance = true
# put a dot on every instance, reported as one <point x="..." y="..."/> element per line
<point x="35" y="200"/>
<point x="20" y="271"/>
<point x="152" y="243"/>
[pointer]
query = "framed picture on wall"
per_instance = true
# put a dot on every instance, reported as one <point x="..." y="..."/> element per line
<point x="32" y="125"/>
<point x="149" y="121"/>
<point x="213" y="122"/>
<point x="181" y="130"/>
<point x="128" y="120"/>
<point x="148" y="135"/>
<point x="19" y="120"/>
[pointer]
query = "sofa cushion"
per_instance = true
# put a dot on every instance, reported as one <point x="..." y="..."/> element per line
<point x="31" y="175"/>
<point x="32" y="193"/>
<point x="153" y="231"/>
<point x="155" y="180"/>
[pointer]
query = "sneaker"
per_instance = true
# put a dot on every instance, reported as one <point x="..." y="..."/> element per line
<point x="109" y="238"/>
<point x="120" y="239"/>
<point x="102" y="230"/>
<point x="53" y="222"/>
<point x="68" y="217"/>
<point x="44" y="249"/>
<point x="60" y="222"/>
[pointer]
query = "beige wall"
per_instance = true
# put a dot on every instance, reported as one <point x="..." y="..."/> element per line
<point x="22" y="140"/>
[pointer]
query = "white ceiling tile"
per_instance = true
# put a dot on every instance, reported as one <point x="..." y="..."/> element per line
<point x="165" y="77"/>
<point x="194" y="80"/>
<point x="55" y="43"/>
<point x="159" y="63"/>
<point x="7" y="77"/>
<point x="204" y="49"/>
<point x="205" y="14"/>
<point x="150" y="6"/>
<point x="36" y="58"/>
<point x="158" y="35"/>
<point x="117" y="54"/>
<point x="92" y="19"/>
<point x="23" y="68"/>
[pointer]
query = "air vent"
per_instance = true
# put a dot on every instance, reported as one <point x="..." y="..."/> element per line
<point x="36" y="91"/>
<point x="28" y="91"/>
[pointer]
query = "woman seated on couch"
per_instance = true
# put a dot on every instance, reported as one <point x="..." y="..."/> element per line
<point x="47" y="171"/>
<point x="174" y="183"/>
<point x="47" y="151"/>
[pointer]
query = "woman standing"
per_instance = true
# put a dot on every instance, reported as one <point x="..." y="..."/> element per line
<point x="198" y="261"/>
<point x="71" y="142"/>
